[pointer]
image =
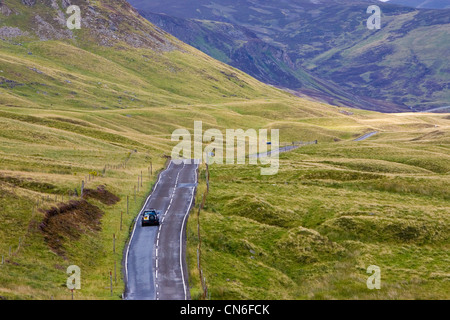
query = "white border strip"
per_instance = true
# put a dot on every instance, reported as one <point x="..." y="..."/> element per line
<point x="181" y="236"/>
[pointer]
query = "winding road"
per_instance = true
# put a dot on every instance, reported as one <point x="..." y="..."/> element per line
<point x="366" y="136"/>
<point x="155" y="259"/>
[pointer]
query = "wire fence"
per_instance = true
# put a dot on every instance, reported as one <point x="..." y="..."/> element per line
<point x="298" y="143"/>
<point x="199" y="249"/>
<point x="206" y="294"/>
<point x="42" y="203"/>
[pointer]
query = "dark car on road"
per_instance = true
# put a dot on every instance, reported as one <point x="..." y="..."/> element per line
<point x="150" y="218"/>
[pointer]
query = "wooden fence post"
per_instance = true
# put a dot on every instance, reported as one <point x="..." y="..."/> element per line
<point x="207" y="178"/>
<point x="115" y="272"/>
<point x="110" y="283"/>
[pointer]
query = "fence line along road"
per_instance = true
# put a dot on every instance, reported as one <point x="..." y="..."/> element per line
<point x="286" y="147"/>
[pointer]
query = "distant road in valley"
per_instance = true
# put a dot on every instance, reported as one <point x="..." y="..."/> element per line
<point x="366" y="136"/>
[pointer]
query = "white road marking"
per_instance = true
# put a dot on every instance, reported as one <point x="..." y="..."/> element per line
<point x="181" y="239"/>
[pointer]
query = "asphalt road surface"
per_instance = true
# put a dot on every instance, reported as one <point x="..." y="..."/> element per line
<point x="436" y="109"/>
<point x="155" y="259"/>
<point x="269" y="153"/>
<point x="366" y="136"/>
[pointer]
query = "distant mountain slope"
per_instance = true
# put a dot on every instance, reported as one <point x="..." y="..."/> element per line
<point x="241" y="48"/>
<point x="429" y="4"/>
<point x="117" y="60"/>
<point x="323" y="48"/>
<point x="232" y="44"/>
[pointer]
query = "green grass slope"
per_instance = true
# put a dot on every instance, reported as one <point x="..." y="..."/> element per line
<point x="100" y="104"/>
<point x="334" y="209"/>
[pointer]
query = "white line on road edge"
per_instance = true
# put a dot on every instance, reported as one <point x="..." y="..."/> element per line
<point x="181" y="238"/>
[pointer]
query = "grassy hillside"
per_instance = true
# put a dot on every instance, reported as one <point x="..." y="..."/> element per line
<point x="101" y="107"/>
<point x="333" y="210"/>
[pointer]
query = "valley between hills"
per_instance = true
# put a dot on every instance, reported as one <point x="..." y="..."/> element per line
<point x="100" y="104"/>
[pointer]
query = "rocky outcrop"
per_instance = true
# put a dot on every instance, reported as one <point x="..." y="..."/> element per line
<point x="66" y="4"/>
<point x="11" y="32"/>
<point x="4" y="9"/>
<point x="29" y="3"/>
<point x="109" y="23"/>
<point x="46" y="31"/>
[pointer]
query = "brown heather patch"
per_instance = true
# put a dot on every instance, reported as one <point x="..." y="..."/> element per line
<point x="102" y="195"/>
<point x="68" y="222"/>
